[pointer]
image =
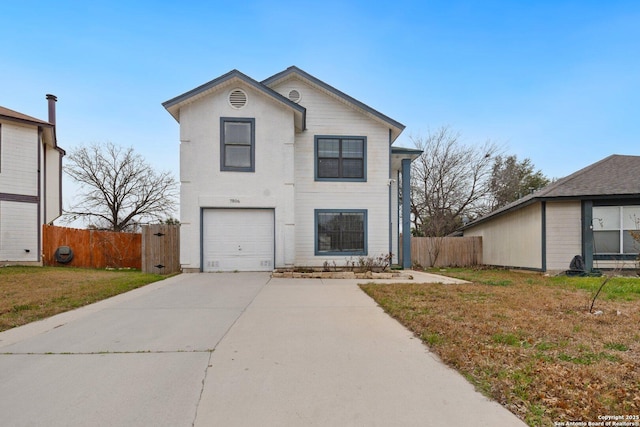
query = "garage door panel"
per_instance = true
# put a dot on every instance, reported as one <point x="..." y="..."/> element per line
<point x="238" y="239"/>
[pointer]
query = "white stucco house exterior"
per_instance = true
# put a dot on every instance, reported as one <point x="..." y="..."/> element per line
<point x="590" y="213"/>
<point x="285" y="172"/>
<point x="30" y="183"/>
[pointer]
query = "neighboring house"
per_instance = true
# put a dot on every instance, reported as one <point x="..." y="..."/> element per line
<point x="589" y="213"/>
<point x="30" y="183"/>
<point x="286" y="172"/>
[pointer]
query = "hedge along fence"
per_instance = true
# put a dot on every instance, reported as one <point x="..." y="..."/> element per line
<point x="91" y="248"/>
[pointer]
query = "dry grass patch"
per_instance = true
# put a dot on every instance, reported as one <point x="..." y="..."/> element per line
<point x="33" y="293"/>
<point x="529" y="341"/>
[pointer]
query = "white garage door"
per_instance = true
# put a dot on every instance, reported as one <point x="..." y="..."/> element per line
<point x="238" y="240"/>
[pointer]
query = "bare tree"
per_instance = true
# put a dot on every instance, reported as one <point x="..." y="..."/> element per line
<point x="449" y="181"/>
<point x="118" y="189"/>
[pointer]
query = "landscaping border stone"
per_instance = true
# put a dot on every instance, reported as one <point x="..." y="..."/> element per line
<point x="290" y="274"/>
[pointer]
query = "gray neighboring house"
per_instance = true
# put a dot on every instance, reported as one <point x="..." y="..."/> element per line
<point x="590" y="213"/>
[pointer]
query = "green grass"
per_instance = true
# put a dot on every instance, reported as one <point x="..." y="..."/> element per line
<point x="506" y="339"/>
<point x="618" y="288"/>
<point x="616" y="346"/>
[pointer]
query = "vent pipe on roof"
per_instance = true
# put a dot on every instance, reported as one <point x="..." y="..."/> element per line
<point x="52" y="108"/>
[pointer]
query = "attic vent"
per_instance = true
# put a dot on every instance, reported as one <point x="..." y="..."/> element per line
<point x="237" y="98"/>
<point x="294" y="96"/>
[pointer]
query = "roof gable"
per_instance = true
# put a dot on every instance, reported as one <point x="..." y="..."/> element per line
<point x="173" y="105"/>
<point x="291" y="72"/>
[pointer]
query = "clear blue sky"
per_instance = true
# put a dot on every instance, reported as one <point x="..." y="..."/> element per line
<point x="554" y="81"/>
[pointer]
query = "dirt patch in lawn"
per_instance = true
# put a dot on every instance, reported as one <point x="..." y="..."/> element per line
<point x="530" y="342"/>
<point x="33" y="293"/>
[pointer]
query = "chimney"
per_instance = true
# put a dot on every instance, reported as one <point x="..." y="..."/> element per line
<point x="52" y="108"/>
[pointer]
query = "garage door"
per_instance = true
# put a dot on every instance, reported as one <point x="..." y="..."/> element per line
<point x="238" y="240"/>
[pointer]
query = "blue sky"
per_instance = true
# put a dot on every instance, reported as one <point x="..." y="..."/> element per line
<point x="554" y="81"/>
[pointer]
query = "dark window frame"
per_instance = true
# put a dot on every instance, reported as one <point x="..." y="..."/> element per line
<point x="341" y="159"/>
<point x="341" y="252"/>
<point x="620" y="230"/>
<point x="224" y="144"/>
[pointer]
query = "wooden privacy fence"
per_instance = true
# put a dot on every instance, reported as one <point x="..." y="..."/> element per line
<point x="446" y="251"/>
<point x="161" y="248"/>
<point x="155" y="250"/>
<point x="90" y="248"/>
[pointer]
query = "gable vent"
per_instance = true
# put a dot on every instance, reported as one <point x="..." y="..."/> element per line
<point x="294" y="96"/>
<point x="237" y="98"/>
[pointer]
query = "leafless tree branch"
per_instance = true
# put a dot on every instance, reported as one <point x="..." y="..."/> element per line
<point x="449" y="181"/>
<point x="118" y="188"/>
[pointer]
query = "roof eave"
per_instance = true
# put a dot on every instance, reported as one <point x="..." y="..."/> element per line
<point x="34" y="122"/>
<point x="400" y="153"/>
<point x="500" y="212"/>
<point x="527" y="202"/>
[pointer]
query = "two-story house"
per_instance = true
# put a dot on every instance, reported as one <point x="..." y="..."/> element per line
<point x="286" y="172"/>
<point x="30" y="183"/>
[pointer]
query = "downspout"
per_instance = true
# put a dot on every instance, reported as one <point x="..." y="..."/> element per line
<point x="40" y="204"/>
<point x="397" y="230"/>
<point x="43" y="148"/>
<point x="406" y="213"/>
<point x="544" y="235"/>
<point x="587" y="234"/>
<point x="390" y="199"/>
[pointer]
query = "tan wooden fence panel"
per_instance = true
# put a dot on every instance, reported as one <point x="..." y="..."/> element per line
<point x="446" y="251"/>
<point x="161" y="248"/>
<point x="92" y="248"/>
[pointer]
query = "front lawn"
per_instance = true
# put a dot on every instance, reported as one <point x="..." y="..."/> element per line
<point x="529" y="341"/>
<point x="33" y="293"/>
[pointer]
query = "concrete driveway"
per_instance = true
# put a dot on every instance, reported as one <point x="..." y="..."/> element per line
<point x="232" y="350"/>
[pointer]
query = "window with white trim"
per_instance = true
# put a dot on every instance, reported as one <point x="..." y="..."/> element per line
<point x="612" y="226"/>
<point x="342" y="232"/>
<point x="237" y="144"/>
<point x="339" y="158"/>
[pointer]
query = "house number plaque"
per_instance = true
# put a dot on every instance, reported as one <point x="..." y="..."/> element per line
<point x="234" y="200"/>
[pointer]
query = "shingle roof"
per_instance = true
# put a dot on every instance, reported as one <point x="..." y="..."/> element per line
<point x="613" y="176"/>
<point x="11" y="114"/>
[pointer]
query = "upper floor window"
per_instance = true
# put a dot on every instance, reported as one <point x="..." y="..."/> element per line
<point x="237" y="144"/>
<point x="341" y="158"/>
<point x="612" y="226"/>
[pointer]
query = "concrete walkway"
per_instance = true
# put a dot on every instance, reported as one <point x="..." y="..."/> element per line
<point x="232" y="350"/>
